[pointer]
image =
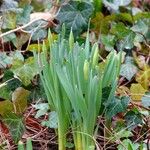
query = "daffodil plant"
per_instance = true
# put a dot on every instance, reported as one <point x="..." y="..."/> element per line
<point x="73" y="82"/>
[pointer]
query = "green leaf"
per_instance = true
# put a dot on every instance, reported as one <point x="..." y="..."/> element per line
<point x="24" y="16"/>
<point x="128" y="145"/>
<point x="13" y="84"/>
<point x="42" y="109"/>
<point x="128" y="41"/>
<point x="5" y="107"/>
<point x="38" y="5"/>
<point x="108" y="41"/>
<point x="146" y="100"/>
<point x="24" y="70"/>
<point x="69" y="145"/>
<point x="9" y="20"/>
<point x="53" y="120"/>
<point x="20" y="145"/>
<point x="8" y="5"/>
<point x="15" y="124"/>
<point x="124" y="35"/>
<point x="133" y="118"/>
<point x="37" y="92"/>
<point x="140" y="27"/>
<point x="128" y="69"/>
<point x="115" y="4"/>
<point x="123" y="133"/>
<point x="19" y="99"/>
<point x="29" y="144"/>
<point x="39" y="34"/>
<point x="116" y="106"/>
<point x="10" y="37"/>
<point x="75" y="15"/>
<point x="5" y="92"/>
<point x="4" y="60"/>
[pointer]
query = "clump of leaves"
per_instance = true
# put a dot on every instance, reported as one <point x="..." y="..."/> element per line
<point x="73" y="84"/>
<point x="11" y="112"/>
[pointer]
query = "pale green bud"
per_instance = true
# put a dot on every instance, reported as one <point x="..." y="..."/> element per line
<point x="71" y="40"/>
<point x="95" y="57"/>
<point x="86" y="69"/>
<point x="20" y="145"/>
<point x="50" y="37"/>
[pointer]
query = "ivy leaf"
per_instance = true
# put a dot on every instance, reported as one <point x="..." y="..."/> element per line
<point x="53" y="120"/>
<point x="15" y="124"/>
<point x="8" y="5"/>
<point x="108" y="41"/>
<point x="25" y="71"/>
<point x="42" y="109"/>
<point x="5" y="92"/>
<point x="133" y="118"/>
<point x="137" y="91"/>
<point x="39" y="34"/>
<point x="124" y="35"/>
<point x="17" y="55"/>
<point x="128" y="69"/>
<point x="140" y="27"/>
<point x="13" y="84"/>
<point x="146" y="100"/>
<point x="121" y="134"/>
<point x="127" y="144"/>
<point x="24" y="16"/>
<point x="136" y="10"/>
<point x="75" y="15"/>
<point x="5" y="107"/>
<point x="4" y="60"/>
<point x="128" y="41"/>
<point x="20" y="40"/>
<point x="143" y="77"/>
<point x="19" y="99"/>
<point x="69" y="145"/>
<point x="9" y="20"/>
<point x="115" y="4"/>
<point x="10" y="37"/>
<point x="116" y="106"/>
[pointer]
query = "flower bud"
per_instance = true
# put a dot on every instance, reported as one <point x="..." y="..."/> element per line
<point x="86" y="69"/>
<point x="95" y="57"/>
<point x="71" y="40"/>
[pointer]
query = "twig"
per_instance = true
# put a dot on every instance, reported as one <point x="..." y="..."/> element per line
<point x="142" y="136"/>
<point x="138" y="105"/>
<point x="20" y="28"/>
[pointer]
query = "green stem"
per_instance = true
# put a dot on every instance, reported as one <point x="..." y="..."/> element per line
<point x="61" y="137"/>
<point x="78" y="142"/>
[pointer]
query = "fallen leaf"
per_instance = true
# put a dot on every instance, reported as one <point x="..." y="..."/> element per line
<point x="19" y="98"/>
<point x="137" y="91"/>
<point x="143" y="77"/>
<point x="5" y="107"/>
